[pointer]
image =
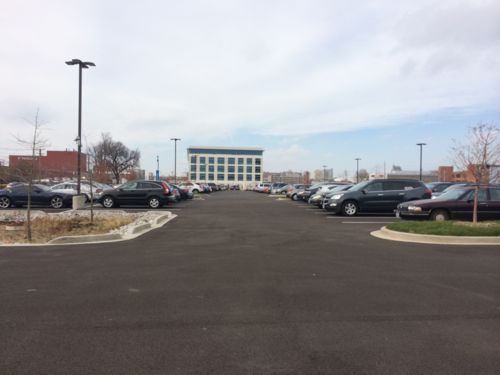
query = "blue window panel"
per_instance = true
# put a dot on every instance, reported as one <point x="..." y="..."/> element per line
<point x="220" y="168"/>
<point x="257" y="169"/>
<point x="257" y="177"/>
<point x="211" y="168"/>
<point x="203" y="177"/>
<point x="240" y="161"/>
<point x="240" y="177"/>
<point x="230" y="169"/>
<point x="240" y="169"/>
<point x="220" y="160"/>
<point x="211" y="160"/>
<point x="249" y="161"/>
<point x="249" y="177"/>
<point x="210" y="176"/>
<point x="257" y="161"/>
<point x="203" y="168"/>
<point x="230" y="161"/>
<point x="230" y="177"/>
<point x="249" y="169"/>
<point x="202" y="160"/>
<point x="220" y="177"/>
<point x="193" y="159"/>
<point x="193" y="176"/>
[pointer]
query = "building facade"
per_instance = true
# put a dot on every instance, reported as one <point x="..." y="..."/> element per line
<point x="55" y="164"/>
<point x="226" y="165"/>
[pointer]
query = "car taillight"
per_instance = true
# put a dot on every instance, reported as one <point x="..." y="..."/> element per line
<point x="166" y="190"/>
<point x="428" y="191"/>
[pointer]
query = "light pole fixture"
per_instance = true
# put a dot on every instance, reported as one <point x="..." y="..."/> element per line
<point x="324" y="173"/>
<point x="175" y="157"/>
<point x="357" y="169"/>
<point x="421" y="145"/>
<point x="81" y="65"/>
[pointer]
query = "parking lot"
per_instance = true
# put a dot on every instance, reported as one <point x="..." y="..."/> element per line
<point x="246" y="283"/>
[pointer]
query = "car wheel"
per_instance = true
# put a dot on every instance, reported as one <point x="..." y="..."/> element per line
<point x="195" y="191"/>
<point x="108" y="202"/>
<point x="5" y="202"/>
<point x="56" y="202"/>
<point x="154" y="202"/>
<point x="294" y="197"/>
<point x="350" y="208"/>
<point x="440" y="215"/>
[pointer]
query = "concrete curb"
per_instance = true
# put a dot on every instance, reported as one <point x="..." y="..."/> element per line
<point x="387" y="234"/>
<point x="134" y="232"/>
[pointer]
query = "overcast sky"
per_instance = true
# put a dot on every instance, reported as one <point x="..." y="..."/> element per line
<point x="312" y="82"/>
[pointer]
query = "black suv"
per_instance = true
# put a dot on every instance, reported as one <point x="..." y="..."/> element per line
<point x="377" y="196"/>
<point x="152" y="193"/>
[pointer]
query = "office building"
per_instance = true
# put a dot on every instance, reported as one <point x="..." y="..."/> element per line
<point x="226" y="165"/>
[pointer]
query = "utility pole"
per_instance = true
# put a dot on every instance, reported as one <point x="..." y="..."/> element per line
<point x="357" y="169"/>
<point x="175" y="157"/>
<point x="421" y="144"/>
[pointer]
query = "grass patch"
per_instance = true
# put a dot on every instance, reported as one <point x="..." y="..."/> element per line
<point x="46" y="229"/>
<point x="448" y="228"/>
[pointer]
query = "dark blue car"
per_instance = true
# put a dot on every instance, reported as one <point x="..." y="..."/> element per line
<point x="41" y="195"/>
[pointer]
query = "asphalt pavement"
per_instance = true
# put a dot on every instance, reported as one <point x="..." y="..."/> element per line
<point x="241" y="283"/>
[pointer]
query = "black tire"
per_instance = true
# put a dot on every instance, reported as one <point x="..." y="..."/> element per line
<point x="195" y="191"/>
<point x="108" y="201"/>
<point x="295" y="197"/>
<point x="56" y="202"/>
<point x="154" y="202"/>
<point x="440" y="215"/>
<point x="5" y="202"/>
<point x="350" y="208"/>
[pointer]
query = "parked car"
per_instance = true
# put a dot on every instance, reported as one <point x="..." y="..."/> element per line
<point x="192" y="187"/>
<point x="184" y="192"/>
<point x="310" y="190"/>
<point x="377" y="196"/>
<point x="140" y="192"/>
<point x="276" y="187"/>
<point x="41" y="195"/>
<point x="315" y="198"/>
<point x="70" y="187"/>
<point x="283" y="190"/>
<point x="455" y="204"/>
<point x="294" y="190"/>
<point x="437" y="188"/>
<point x="457" y="185"/>
<point x="326" y="197"/>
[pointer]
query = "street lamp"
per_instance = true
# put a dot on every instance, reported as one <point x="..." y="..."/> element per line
<point x="175" y="157"/>
<point x="81" y="65"/>
<point x="421" y="144"/>
<point x="357" y="169"/>
<point x="324" y="173"/>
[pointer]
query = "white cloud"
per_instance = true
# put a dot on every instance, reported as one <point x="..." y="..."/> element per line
<point x="199" y="69"/>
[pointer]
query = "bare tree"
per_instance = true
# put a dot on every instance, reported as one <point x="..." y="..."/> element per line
<point x="114" y="156"/>
<point x="363" y="174"/>
<point x="34" y="144"/>
<point x="477" y="155"/>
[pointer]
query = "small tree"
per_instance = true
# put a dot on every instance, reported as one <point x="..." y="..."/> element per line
<point x="113" y="156"/>
<point x="34" y="144"/>
<point x="481" y="151"/>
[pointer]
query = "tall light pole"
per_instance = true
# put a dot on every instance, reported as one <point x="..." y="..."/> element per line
<point x="324" y="173"/>
<point x="81" y="65"/>
<point x="421" y="145"/>
<point x="357" y="169"/>
<point x="175" y="157"/>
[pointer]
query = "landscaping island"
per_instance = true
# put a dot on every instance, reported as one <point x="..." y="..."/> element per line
<point x="447" y="228"/>
<point x="75" y="226"/>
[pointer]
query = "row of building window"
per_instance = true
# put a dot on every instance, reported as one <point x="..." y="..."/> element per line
<point x="221" y="177"/>
<point x="222" y="169"/>
<point x="230" y="161"/>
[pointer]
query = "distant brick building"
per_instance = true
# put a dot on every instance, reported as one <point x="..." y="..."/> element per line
<point x="56" y="164"/>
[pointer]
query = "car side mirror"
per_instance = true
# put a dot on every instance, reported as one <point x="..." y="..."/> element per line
<point x="364" y="191"/>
